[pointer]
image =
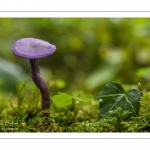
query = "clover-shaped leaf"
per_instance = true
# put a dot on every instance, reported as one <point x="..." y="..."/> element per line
<point x="63" y="99"/>
<point x="113" y="96"/>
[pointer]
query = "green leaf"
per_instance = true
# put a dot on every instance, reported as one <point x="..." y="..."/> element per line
<point x="60" y="93"/>
<point x="82" y="99"/>
<point x="62" y="99"/>
<point x="113" y="96"/>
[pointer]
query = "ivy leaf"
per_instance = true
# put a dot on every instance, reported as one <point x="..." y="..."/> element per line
<point x="113" y="96"/>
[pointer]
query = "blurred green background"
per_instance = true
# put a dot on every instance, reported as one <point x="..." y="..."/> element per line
<point x="90" y="51"/>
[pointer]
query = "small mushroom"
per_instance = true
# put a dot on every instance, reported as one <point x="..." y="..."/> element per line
<point x="33" y="49"/>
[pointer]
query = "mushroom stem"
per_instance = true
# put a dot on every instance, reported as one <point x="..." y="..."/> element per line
<point x="41" y="84"/>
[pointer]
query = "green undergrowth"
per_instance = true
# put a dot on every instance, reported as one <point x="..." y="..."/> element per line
<point x="22" y="113"/>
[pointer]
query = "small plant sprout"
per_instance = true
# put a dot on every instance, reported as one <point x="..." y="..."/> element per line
<point x="33" y="49"/>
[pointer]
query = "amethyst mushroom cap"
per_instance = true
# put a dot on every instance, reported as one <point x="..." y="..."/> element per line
<point x="33" y="49"/>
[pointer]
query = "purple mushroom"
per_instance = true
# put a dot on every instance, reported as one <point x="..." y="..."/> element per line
<point x="33" y="49"/>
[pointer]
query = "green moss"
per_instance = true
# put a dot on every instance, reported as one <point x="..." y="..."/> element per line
<point x="27" y="116"/>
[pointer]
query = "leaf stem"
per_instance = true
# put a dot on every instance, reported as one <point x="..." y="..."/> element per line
<point x="74" y="111"/>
